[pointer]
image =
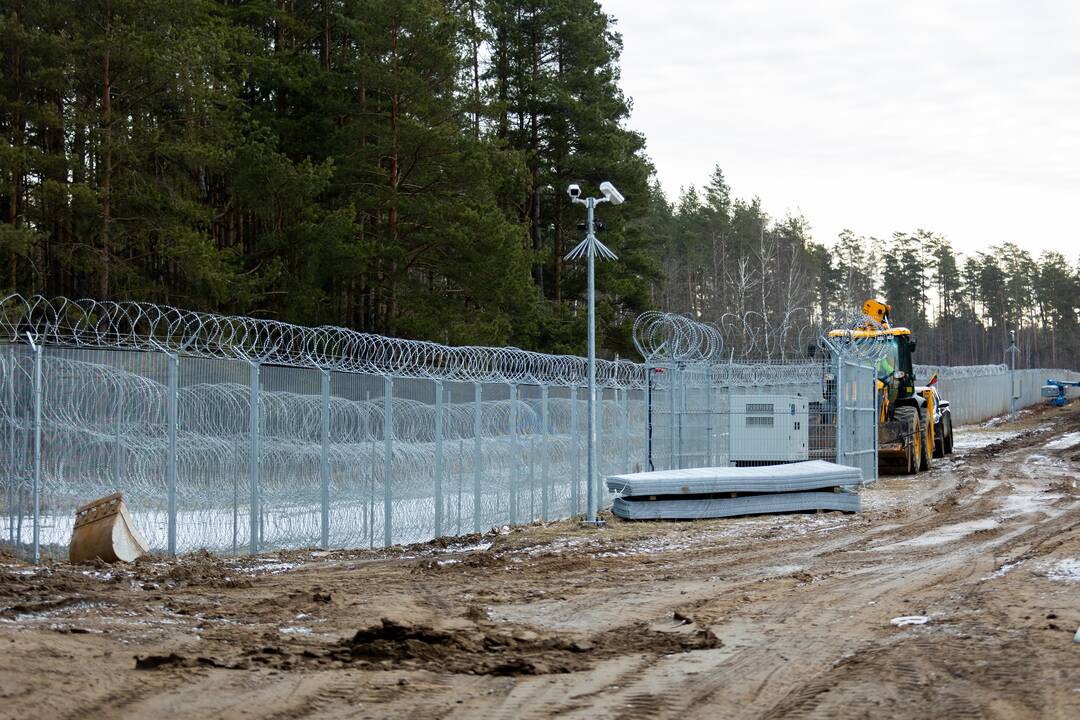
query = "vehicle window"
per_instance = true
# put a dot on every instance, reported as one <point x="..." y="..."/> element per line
<point x="889" y="359"/>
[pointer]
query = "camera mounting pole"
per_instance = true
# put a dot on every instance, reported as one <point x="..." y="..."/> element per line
<point x="590" y="247"/>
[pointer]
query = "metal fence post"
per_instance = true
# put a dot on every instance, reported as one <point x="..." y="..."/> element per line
<point x="597" y="473"/>
<point x="388" y="462"/>
<point x="545" y="461"/>
<point x="36" y="495"/>
<point x="710" y="456"/>
<point x="673" y="419"/>
<point x="324" y="463"/>
<point x="253" y="456"/>
<point x="439" y="458"/>
<point x="626" y="431"/>
<point x="477" y="455"/>
<point x="575" y="477"/>
<point x="515" y="455"/>
<point x="172" y="420"/>
<point x="839" y="401"/>
<point x="12" y="480"/>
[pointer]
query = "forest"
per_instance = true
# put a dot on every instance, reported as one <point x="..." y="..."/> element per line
<point x="399" y="167"/>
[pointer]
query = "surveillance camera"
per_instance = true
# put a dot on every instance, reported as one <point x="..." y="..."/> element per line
<point x="574" y="190"/>
<point x="613" y="196"/>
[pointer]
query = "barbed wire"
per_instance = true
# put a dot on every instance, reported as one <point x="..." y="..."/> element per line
<point x="150" y="327"/>
<point x="948" y="372"/>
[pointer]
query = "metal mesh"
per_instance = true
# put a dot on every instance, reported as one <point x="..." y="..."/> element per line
<point x="242" y="435"/>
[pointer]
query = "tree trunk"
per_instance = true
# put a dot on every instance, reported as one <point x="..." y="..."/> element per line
<point x="106" y="160"/>
<point x="392" y="219"/>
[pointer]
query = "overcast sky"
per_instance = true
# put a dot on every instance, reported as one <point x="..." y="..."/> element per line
<point x="961" y="117"/>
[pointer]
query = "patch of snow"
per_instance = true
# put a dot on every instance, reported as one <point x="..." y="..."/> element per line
<point x="295" y="630"/>
<point x="973" y="438"/>
<point x="1003" y="570"/>
<point x="943" y="534"/>
<point x="1067" y="570"/>
<point x="1065" y="441"/>
<point x="905" y="620"/>
<point x="270" y="568"/>
<point x="1019" y="503"/>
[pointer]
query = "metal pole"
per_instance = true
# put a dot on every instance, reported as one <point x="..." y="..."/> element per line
<point x="545" y="463"/>
<point x="172" y="419"/>
<point x="13" y="466"/>
<point x="710" y="457"/>
<point x="1013" y="350"/>
<point x="37" y="452"/>
<point x="388" y="462"/>
<point x="515" y="455"/>
<point x="673" y="420"/>
<point x="649" y="372"/>
<point x="591" y="478"/>
<point x="839" y="400"/>
<point x="253" y="457"/>
<point x="589" y="247"/>
<point x="438" y="458"/>
<point x="575" y="477"/>
<point x="477" y="456"/>
<point x="324" y="463"/>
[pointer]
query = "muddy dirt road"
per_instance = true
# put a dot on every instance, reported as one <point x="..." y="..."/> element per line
<point x="765" y="617"/>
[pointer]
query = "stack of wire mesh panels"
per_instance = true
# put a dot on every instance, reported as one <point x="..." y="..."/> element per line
<point x="714" y="492"/>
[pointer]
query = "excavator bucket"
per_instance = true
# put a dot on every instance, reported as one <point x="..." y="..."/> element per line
<point x="104" y="529"/>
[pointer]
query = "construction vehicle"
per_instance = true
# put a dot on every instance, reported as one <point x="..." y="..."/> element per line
<point x="1056" y="391"/>
<point x="105" y="531"/>
<point x="914" y="423"/>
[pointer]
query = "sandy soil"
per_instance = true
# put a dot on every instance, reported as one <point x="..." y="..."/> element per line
<point x="764" y="617"/>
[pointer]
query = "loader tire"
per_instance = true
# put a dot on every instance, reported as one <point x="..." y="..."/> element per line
<point x="948" y="437"/>
<point x="909" y="417"/>
<point x="926" y="452"/>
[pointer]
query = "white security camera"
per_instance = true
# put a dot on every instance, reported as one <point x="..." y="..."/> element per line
<point x="574" y="190"/>
<point x="613" y="196"/>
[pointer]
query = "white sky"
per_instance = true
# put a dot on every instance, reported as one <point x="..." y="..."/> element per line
<point x="961" y="117"/>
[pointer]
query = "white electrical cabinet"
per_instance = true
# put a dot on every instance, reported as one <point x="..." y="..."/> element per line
<point x="769" y="428"/>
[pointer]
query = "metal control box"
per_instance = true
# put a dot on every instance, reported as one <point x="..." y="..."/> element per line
<point x="769" y="429"/>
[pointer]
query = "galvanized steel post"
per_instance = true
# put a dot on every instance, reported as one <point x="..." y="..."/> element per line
<point x="515" y="456"/>
<point x="592" y="480"/>
<point x="324" y="463"/>
<point x="254" y="422"/>
<point x="36" y="490"/>
<point x="172" y="420"/>
<point x="673" y="419"/>
<point x="13" y="474"/>
<point x="545" y="462"/>
<point x="477" y="454"/>
<point x="438" y="458"/>
<point x="388" y="462"/>
<point x="838" y="399"/>
<point x="575" y="476"/>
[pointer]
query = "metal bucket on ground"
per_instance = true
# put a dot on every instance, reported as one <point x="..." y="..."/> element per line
<point x="104" y="529"/>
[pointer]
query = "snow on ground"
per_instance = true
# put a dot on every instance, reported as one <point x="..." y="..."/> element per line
<point x="1003" y="570"/>
<point x="973" y="437"/>
<point x="943" y="534"/>
<point x="1065" y="441"/>
<point x="1067" y="570"/>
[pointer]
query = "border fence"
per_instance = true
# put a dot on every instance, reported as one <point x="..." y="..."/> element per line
<point x="243" y="435"/>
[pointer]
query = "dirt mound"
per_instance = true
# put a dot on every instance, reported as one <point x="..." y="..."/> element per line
<point x="199" y="569"/>
<point x="475" y="649"/>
